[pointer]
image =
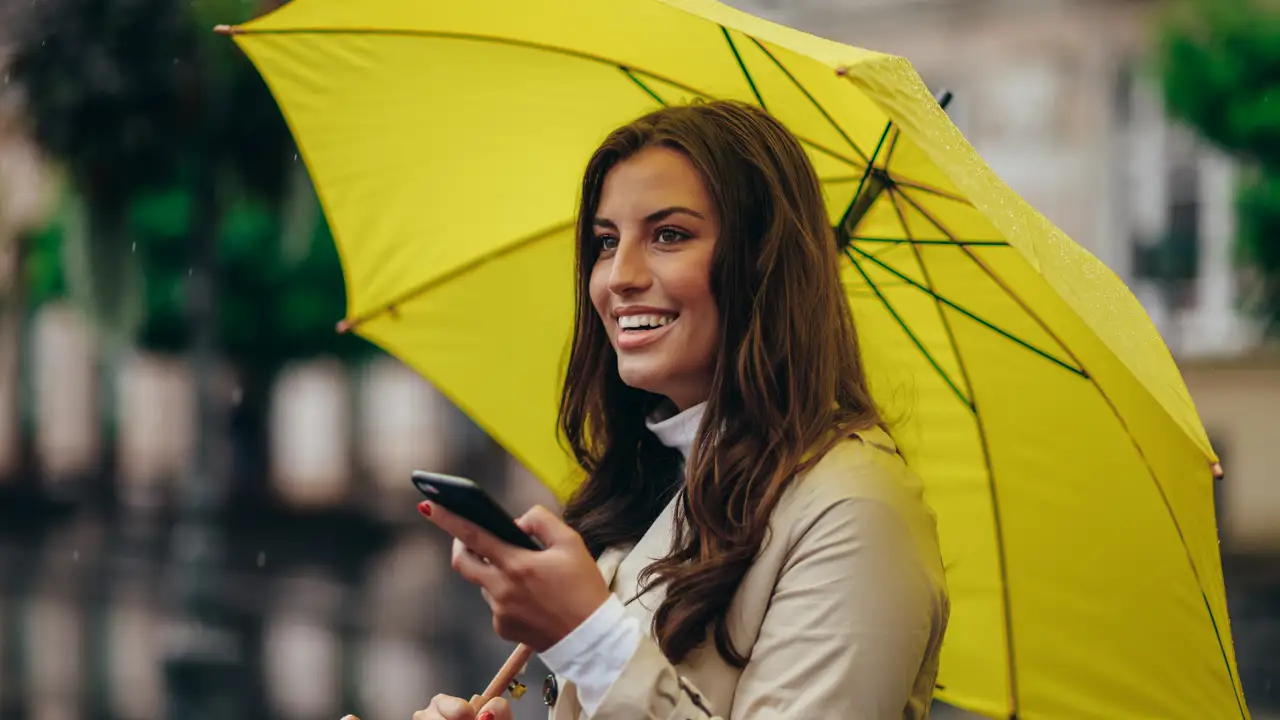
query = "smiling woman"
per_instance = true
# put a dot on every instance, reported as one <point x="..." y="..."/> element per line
<point x="748" y="541"/>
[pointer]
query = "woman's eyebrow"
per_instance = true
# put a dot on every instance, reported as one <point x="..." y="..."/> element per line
<point x="673" y="210"/>
<point x="663" y="214"/>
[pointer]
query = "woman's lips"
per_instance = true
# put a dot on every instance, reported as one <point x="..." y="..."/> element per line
<point x="636" y="339"/>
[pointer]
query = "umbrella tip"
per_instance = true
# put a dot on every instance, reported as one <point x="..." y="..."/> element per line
<point x="344" y="326"/>
<point x="227" y="30"/>
<point x="1217" y="471"/>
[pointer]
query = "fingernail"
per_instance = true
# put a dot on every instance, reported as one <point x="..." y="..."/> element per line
<point x="486" y="715"/>
<point x="424" y="507"/>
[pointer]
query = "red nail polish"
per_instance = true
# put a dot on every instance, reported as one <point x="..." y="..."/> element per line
<point x="486" y="715"/>
<point x="424" y="507"/>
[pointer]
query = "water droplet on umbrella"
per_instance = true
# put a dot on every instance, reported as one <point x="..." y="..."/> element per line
<point x="262" y="558"/>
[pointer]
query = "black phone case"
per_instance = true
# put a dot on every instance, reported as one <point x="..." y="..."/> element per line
<point x="468" y="500"/>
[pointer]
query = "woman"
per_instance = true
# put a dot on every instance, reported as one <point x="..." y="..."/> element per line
<point x="747" y="543"/>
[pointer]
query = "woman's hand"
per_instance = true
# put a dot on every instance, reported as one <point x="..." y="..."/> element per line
<point x="537" y="597"/>
<point x="445" y="707"/>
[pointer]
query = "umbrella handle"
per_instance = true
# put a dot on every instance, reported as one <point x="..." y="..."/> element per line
<point x="506" y="678"/>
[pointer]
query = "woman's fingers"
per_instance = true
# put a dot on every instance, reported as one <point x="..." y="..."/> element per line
<point x="473" y="567"/>
<point x="477" y="540"/>
<point x="543" y="524"/>
<point x="446" y="707"/>
<point x="499" y="707"/>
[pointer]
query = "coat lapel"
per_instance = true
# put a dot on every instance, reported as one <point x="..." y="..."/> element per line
<point x="567" y="707"/>
<point x="608" y="563"/>
<point x="620" y="568"/>
<point x="655" y="543"/>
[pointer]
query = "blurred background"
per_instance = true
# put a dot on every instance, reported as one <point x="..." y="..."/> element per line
<point x="165" y="267"/>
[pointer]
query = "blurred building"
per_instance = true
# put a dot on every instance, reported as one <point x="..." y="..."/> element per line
<point x="1056" y="96"/>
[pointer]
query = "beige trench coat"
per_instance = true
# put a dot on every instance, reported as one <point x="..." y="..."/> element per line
<point x="842" y="613"/>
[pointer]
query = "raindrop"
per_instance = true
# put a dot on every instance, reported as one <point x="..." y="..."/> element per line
<point x="134" y="248"/>
<point x="295" y="157"/>
<point x="75" y="556"/>
<point x="262" y="558"/>
<point x="189" y="271"/>
<point x="6" y="78"/>
<point x="237" y="394"/>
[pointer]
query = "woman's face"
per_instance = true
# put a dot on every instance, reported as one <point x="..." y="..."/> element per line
<point x="651" y="285"/>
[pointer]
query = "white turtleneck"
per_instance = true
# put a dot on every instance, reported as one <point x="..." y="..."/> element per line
<point x="593" y="655"/>
<point x="677" y="430"/>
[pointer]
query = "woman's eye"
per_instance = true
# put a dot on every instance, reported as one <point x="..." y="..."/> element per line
<point x="607" y="242"/>
<point x="670" y="236"/>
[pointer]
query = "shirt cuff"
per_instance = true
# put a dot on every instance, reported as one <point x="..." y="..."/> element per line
<point x="593" y="655"/>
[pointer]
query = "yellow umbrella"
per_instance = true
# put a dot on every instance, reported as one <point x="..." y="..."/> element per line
<point x="1062" y="453"/>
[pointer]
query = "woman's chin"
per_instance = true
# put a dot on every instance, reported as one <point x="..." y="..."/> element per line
<point x="641" y="379"/>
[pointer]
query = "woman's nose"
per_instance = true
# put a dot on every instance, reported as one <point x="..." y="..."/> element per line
<point x="630" y="271"/>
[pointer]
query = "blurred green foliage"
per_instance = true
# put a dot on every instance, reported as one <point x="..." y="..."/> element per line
<point x="143" y="107"/>
<point x="1220" y="65"/>
<point x="276" y="303"/>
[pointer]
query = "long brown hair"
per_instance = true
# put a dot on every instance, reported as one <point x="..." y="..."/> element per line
<point x="788" y="383"/>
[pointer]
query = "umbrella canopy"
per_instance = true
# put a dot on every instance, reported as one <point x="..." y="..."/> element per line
<point x="1060" y="448"/>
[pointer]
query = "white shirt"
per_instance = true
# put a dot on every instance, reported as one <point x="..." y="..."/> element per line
<point x="593" y="654"/>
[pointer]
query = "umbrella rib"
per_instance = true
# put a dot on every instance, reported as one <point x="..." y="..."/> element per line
<point x="998" y="521"/>
<point x="1155" y="479"/>
<point x="812" y="99"/>
<point x="921" y="241"/>
<point x="907" y="329"/>
<point x="930" y="190"/>
<point x="971" y="315"/>
<point x="742" y="65"/>
<point x="937" y="224"/>
<point x="626" y="70"/>
<point x="391" y="306"/>
<point x="893" y="145"/>
<point x="866" y="173"/>
<point x="904" y="183"/>
<point x="694" y="91"/>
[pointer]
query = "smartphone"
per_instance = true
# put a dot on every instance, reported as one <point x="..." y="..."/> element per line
<point x="468" y="500"/>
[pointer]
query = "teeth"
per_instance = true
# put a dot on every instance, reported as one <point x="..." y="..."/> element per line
<point x="633" y="322"/>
